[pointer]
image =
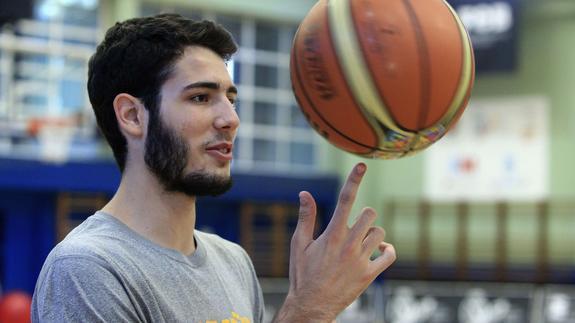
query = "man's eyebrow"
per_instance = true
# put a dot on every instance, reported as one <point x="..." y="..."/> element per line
<point x="209" y="85"/>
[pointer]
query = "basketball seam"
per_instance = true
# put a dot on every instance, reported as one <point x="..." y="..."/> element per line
<point x="310" y="102"/>
<point x="355" y="70"/>
<point x="425" y="65"/>
<point x="461" y="79"/>
<point x="471" y="79"/>
<point x="379" y="89"/>
<point x="453" y="108"/>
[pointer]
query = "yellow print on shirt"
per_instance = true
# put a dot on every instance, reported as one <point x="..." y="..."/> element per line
<point x="234" y="319"/>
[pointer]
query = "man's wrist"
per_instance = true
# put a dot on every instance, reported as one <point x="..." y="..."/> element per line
<point x="293" y="311"/>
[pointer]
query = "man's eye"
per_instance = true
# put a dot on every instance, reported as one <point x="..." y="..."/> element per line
<point x="201" y="98"/>
<point x="233" y="101"/>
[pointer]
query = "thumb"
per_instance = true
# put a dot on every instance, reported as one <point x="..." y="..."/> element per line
<point x="303" y="234"/>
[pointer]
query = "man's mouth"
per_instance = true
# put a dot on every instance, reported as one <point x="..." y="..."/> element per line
<point x="221" y="151"/>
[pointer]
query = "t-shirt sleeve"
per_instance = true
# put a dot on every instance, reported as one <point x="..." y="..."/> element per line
<point x="81" y="289"/>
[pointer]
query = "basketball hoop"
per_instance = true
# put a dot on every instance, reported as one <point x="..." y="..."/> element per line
<point x="55" y="136"/>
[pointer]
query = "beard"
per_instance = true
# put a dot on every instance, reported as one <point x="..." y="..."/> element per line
<point x="166" y="156"/>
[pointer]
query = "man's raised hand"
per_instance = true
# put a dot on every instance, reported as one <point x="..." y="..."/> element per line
<point x="330" y="272"/>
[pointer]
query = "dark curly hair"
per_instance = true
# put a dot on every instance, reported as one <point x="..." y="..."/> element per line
<point x="136" y="57"/>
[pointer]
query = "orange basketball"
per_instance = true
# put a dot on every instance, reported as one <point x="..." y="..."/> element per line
<point x="382" y="79"/>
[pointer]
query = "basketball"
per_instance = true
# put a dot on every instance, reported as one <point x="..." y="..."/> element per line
<point x="382" y="79"/>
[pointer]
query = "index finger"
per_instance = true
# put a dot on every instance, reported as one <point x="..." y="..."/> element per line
<point x="347" y="196"/>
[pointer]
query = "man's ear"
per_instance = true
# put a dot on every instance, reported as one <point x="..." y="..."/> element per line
<point x="129" y="114"/>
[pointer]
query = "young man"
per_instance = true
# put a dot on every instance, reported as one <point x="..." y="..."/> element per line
<point x="164" y="100"/>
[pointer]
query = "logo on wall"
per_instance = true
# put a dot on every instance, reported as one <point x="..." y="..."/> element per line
<point x="493" y="28"/>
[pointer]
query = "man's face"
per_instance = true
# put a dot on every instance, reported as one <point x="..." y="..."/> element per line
<point x="189" y="145"/>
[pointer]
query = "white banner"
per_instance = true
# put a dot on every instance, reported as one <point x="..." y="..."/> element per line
<point x="499" y="150"/>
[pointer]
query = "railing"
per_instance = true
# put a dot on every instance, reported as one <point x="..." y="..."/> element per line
<point x="528" y="242"/>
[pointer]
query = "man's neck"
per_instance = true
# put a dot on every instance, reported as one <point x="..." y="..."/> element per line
<point x="166" y="218"/>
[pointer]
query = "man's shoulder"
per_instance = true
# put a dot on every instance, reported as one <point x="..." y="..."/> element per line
<point x="82" y="246"/>
<point x="93" y="238"/>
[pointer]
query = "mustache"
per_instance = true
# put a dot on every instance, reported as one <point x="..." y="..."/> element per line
<point x="219" y="137"/>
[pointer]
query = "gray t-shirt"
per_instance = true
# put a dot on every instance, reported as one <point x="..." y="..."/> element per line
<point x="105" y="272"/>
